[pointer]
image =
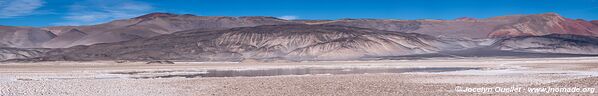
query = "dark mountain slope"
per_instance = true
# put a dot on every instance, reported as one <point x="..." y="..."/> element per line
<point x="555" y="43"/>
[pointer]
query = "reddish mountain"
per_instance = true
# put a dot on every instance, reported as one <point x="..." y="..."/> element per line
<point x="544" y="24"/>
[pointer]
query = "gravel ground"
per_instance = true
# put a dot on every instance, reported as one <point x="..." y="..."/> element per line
<point x="94" y="78"/>
<point x="338" y="85"/>
<point x="89" y="88"/>
<point x="363" y="85"/>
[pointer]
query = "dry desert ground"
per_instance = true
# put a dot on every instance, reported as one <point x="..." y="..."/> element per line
<point x="470" y="76"/>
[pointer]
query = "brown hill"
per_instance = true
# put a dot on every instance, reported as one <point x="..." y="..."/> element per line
<point x="65" y="39"/>
<point x="26" y="37"/>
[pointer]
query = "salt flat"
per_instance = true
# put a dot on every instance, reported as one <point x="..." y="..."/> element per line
<point x="383" y="77"/>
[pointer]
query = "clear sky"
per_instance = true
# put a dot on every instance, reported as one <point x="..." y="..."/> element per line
<point x="85" y="12"/>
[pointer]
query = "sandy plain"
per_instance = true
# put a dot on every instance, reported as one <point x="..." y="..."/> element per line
<point x="469" y="76"/>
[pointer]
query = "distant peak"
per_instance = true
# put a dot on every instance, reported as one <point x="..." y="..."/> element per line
<point x="357" y="19"/>
<point x="156" y="15"/>
<point x="465" y="19"/>
<point x="580" y="20"/>
<point x="550" y="14"/>
<point x="74" y="30"/>
<point x="259" y="17"/>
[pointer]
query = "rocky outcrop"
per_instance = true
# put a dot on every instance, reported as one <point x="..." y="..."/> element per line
<point x="160" y="62"/>
<point x="554" y="43"/>
<point x="289" y="42"/>
<point x="20" y="53"/>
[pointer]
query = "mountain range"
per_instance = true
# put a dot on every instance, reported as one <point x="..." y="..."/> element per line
<point x="219" y="38"/>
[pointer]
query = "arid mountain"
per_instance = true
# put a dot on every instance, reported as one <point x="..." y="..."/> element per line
<point x="289" y="42"/>
<point x="380" y="24"/>
<point x="504" y="26"/>
<point x="26" y="37"/>
<point x="213" y="38"/>
<point x="156" y="24"/>
<point x="438" y="28"/>
<point x="555" y="43"/>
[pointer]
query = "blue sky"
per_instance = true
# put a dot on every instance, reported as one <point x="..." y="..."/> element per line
<point x="84" y="12"/>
